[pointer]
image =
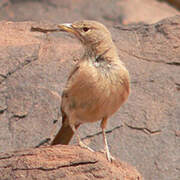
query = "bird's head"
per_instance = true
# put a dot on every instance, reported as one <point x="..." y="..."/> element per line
<point x="93" y="35"/>
<point x="88" y="32"/>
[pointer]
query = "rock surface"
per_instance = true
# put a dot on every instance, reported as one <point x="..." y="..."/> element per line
<point x="109" y="12"/>
<point x="62" y="162"/>
<point x="144" y="133"/>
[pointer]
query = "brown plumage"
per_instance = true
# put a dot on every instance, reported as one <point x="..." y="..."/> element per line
<point x="98" y="84"/>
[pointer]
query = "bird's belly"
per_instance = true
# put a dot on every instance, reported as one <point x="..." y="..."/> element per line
<point x="95" y="96"/>
<point x="94" y="107"/>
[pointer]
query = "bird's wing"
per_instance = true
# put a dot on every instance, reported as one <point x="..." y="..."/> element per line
<point x="75" y="69"/>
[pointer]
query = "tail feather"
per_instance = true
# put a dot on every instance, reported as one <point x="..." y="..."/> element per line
<point x="64" y="135"/>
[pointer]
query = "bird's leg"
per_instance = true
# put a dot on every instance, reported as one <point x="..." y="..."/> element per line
<point x="106" y="148"/>
<point x="81" y="144"/>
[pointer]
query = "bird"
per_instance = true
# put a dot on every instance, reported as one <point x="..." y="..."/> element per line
<point x="97" y="85"/>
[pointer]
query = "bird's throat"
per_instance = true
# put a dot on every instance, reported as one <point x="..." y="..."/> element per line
<point x="101" y="53"/>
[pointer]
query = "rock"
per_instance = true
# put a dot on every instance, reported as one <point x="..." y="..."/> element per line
<point x="33" y="70"/>
<point x="63" y="162"/>
<point x="109" y="12"/>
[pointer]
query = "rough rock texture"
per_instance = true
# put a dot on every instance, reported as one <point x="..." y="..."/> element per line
<point x="145" y="131"/>
<point x="109" y="12"/>
<point x="62" y="162"/>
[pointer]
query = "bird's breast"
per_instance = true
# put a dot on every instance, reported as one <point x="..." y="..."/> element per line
<point x="97" y="90"/>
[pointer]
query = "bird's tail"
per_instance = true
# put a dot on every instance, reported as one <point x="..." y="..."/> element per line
<point x="64" y="135"/>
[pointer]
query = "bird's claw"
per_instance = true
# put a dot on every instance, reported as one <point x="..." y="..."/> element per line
<point x="81" y="144"/>
<point x="109" y="157"/>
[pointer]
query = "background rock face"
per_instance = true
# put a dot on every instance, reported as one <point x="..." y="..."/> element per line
<point x="34" y="67"/>
<point x="109" y="12"/>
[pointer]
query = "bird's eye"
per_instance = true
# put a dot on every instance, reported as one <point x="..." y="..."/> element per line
<point x="85" y="29"/>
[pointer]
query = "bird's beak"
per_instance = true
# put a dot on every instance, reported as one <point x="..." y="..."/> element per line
<point x="67" y="28"/>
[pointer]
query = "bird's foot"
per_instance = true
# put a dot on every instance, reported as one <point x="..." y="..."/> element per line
<point x="109" y="157"/>
<point x="81" y="144"/>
